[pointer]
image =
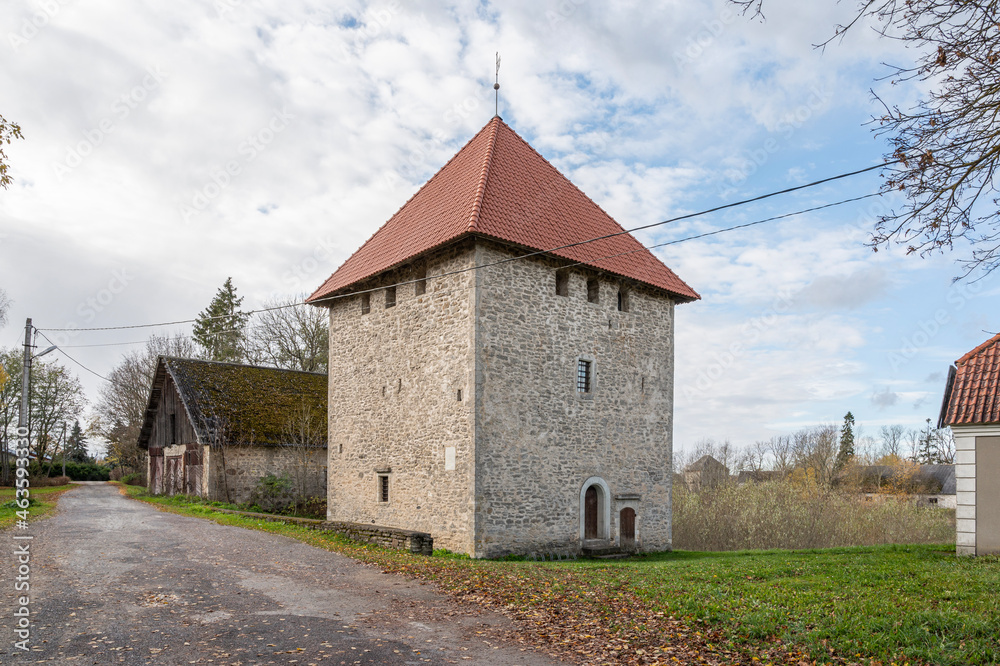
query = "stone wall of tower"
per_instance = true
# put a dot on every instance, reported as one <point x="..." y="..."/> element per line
<point x="395" y="411"/>
<point x="539" y="440"/>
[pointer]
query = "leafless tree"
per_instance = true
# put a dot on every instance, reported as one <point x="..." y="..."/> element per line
<point x="121" y="407"/>
<point x="56" y="399"/>
<point x="946" y="148"/>
<point x="782" y="453"/>
<point x="304" y="437"/>
<point x="294" y="337"/>
<point x="892" y="441"/>
<point x="4" y="307"/>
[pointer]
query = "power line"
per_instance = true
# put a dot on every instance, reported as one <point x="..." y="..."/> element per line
<point x="738" y="226"/>
<point x="73" y="359"/>
<point x="522" y="256"/>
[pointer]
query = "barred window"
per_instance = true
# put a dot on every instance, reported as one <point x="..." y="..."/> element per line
<point x="383" y="488"/>
<point x="584" y="380"/>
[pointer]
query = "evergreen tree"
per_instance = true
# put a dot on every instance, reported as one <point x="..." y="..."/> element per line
<point x="76" y="445"/>
<point x="846" y="451"/>
<point x="220" y="329"/>
<point x="928" y="453"/>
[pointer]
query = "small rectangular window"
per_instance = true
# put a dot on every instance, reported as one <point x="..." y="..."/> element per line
<point x="366" y="303"/>
<point x="383" y="488"/>
<point x="622" y="300"/>
<point x="460" y="395"/>
<point x="593" y="290"/>
<point x="420" y="275"/>
<point x="584" y="380"/>
<point x="173" y="429"/>
<point x="390" y="297"/>
<point x="562" y="283"/>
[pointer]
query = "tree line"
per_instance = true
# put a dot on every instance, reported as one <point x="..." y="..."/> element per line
<point x="827" y="450"/>
<point x="284" y="335"/>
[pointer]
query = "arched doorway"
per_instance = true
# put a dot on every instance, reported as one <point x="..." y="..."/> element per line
<point x="590" y="514"/>
<point x="595" y="509"/>
<point x="626" y="522"/>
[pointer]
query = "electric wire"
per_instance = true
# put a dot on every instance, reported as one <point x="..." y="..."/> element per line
<point x="511" y="259"/>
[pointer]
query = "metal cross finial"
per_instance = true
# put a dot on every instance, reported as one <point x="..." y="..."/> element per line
<point x="496" y="86"/>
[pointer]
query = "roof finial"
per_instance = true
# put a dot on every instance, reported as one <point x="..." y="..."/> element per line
<point x="496" y="87"/>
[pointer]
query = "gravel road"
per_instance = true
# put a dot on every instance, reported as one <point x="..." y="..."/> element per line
<point x="114" y="581"/>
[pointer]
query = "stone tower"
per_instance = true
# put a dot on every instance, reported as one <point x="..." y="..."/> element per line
<point x="495" y="380"/>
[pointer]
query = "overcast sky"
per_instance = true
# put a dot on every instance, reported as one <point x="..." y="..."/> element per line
<point x="171" y="145"/>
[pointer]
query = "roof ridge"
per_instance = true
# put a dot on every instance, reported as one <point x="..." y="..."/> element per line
<point x="405" y="204"/>
<point x="981" y="348"/>
<point x="241" y="365"/>
<point x="477" y="205"/>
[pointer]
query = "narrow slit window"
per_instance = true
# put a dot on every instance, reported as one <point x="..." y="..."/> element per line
<point x="562" y="283"/>
<point x="460" y="395"/>
<point x="420" y="275"/>
<point x="366" y="303"/>
<point x="173" y="429"/>
<point x="593" y="290"/>
<point x="584" y="376"/>
<point x="390" y="297"/>
<point x="622" y="300"/>
<point x="383" y="489"/>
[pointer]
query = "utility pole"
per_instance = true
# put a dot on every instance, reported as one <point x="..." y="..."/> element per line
<point x="64" y="449"/>
<point x="22" y="418"/>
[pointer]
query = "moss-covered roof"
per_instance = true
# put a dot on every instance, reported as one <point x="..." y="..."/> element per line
<point x="241" y="404"/>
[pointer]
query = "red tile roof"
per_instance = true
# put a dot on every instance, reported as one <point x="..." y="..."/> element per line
<point x="974" y="395"/>
<point x="497" y="186"/>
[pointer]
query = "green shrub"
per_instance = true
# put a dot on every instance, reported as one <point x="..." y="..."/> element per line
<point x="273" y="493"/>
<point x="134" y="479"/>
<point x="74" y="470"/>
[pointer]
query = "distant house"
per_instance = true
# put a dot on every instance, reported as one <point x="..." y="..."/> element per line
<point x="705" y="473"/>
<point x="971" y="407"/>
<point x="930" y="485"/>
<point x="214" y="429"/>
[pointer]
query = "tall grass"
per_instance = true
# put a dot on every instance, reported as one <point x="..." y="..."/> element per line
<point x="788" y="514"/>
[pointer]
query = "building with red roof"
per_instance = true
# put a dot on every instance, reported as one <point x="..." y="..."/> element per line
<point x="971" y="407"/>
<point x="502" y="365"/>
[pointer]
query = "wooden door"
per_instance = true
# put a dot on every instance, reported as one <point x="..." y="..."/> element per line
<point x="173" y="475"/>
<point x="627" y="523"/>
<point x="155" y="470"/>
<point x="590" y="514"/>
<point x="192" y="470"/>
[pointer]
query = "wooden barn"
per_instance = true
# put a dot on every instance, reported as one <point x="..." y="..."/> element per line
<point x="215" y="429"/>
<point x="972" y="408"/>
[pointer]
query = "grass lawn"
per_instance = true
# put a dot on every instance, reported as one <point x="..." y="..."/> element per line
<point x="880" y="604"/>
<point x="46" y="501"/>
